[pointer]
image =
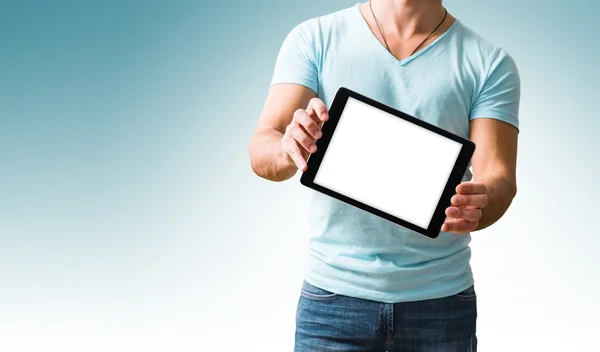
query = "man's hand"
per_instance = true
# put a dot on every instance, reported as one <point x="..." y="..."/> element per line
<point x="302" y="133"/>
<point x="465" y="212"/>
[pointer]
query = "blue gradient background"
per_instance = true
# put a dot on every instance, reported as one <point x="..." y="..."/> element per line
<point x="130" y="219"/>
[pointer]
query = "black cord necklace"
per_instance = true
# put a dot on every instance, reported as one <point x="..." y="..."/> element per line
<point x="418" y="46"/>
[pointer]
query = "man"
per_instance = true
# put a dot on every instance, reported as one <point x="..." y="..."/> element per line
<point x="371" y="285"/>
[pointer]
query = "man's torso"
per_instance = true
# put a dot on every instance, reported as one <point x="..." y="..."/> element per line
<point x="352" y="252"/>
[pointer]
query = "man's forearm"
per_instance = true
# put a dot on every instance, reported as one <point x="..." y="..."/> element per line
<point x="500" y="191"/>
<point x="266" y="156"/>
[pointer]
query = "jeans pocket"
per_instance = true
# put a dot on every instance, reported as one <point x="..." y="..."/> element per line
<point x="467" y="294"/>
<point x="313" y="292"/>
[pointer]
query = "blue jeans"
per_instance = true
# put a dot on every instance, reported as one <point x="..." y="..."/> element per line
<point x="326" y="321"/>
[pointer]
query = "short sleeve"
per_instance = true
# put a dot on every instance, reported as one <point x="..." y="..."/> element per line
<point x="296" y="61"/>
<point x="500" y="95"/>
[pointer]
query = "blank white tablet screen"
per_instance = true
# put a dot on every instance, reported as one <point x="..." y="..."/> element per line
<point x="388" y="163"/>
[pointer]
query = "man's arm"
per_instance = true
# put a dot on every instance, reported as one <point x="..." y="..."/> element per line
<point x="286" y="131"/>
<point x="494" y="164"/>
<point x="480" y="203"/>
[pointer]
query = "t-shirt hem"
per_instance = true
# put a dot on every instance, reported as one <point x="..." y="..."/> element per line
<point x="408" y="295"/>
<point x="308" y="84"/>
<point x="496" y="116"/>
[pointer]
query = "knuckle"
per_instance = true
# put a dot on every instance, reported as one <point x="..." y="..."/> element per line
<point x="293" y="136"/>
<point x="295" y="131"/>
<point x="475" y="214"/>
<point x="306" y="141"/>
<point x="301" y="140"/>
<point x="298" y="114"/>
<point x="302" y="137"/>
<point x="304" y="121"/>
<point x="288" y="148"/>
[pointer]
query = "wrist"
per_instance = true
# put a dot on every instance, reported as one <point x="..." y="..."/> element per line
<point x="283" y="165"/>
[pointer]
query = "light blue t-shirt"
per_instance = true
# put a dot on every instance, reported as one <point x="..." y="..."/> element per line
<point x="456" y="78"/>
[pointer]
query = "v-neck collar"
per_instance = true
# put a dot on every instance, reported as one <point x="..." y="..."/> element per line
<point x="406" y="60"/>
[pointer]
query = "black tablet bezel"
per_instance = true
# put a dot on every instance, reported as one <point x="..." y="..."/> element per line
<point x="460" y="166"/>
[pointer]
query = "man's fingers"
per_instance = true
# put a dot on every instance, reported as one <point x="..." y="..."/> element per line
<point x="307" y="122"/>
<point x="470" y="188"/>
<point x="477" y="200"/>
<point x="459" y="225"/>
<point x="298" y="134"/>
<point x="317" y="107"/>
<point x="464" y="213"/>
<point x="290" y="146"/>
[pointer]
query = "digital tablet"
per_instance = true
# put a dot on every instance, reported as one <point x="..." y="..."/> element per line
<point x="387" y="163"/>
